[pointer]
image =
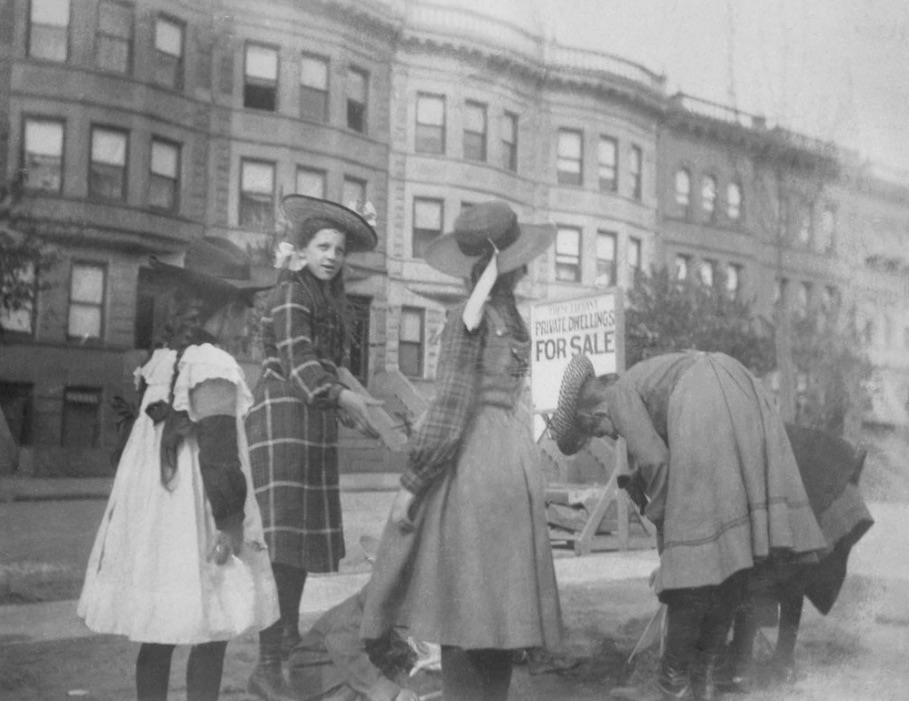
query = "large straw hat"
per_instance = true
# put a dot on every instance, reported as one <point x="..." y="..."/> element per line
<point x="456" y="252"/>
<point x="563" y="426"/>
<point x="360" y="235"/>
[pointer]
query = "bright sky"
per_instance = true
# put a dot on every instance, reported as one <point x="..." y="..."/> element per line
<point x="834" y="69"/>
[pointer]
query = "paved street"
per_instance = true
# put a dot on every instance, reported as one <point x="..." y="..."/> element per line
<point x="857" y="652"/>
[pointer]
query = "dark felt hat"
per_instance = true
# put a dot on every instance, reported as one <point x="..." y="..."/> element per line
<point x="562" y="426"/>
<point x="215" y="268"/>
<point x="360" y="235"/>
<point x="456" y="252"/>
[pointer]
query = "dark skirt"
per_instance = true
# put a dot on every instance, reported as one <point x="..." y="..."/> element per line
<point x="293" y="451"/>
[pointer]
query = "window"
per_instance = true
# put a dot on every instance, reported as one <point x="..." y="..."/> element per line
<point x="475" y="131"/>
<point x="22" y="281"/>
<point x="81" y="413"/>
<point x="607" y="154"/>
<point x="568" y="254"/>
<point x="353" y="192"/>
<point x="169" y="53"/>
<point x="804" y="233"/>
<point x="48" y="30"/>
<point x="804" y="298"/>
<point x="427" y="224"/>
<point x="780" y="289"/>
<point x="733" y="279"/>
<point x="311" y="182"/>
<point x="107" y="173"/>
<point x="831" y="299"/>
<point x="827" y="230"/>
<point x="358" y="322"/>
<point x="682" y="267"/>
<point x="708" y="194"/>
<point x="430" y="130"/>
<point x="570" y="158"/>
<point x="17" y="406"/>
<point x="260" y="88"/>
<point x="164" y="181"/>
<point x="682" y="187"/>
<point x="606" y="248"/>
<point x="257" y="195"/>
<point x="410" y="342"/>
<point x="357" y="93"/>
<point x="314" y="88"/>
<point x="636" y="171"/>
<point x="86" y="301"/>
<point x="43" y="154"/>
<point x="634" y="256"/>
<point x="708" y="272"/>
<point x="115" y="36"/>
<point x="734" y="201"/>
<point x="510" y="141"/>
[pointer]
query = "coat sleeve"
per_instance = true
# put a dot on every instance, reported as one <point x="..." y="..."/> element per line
<point x="292" y="317"/>
<point x="438" y="439"/>
<point x="647" y="450"/>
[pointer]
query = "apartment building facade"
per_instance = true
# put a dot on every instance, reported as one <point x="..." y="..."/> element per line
<point x="143" y="125"/>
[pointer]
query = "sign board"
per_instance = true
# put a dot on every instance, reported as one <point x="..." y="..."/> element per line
<point x="593" y="325"/>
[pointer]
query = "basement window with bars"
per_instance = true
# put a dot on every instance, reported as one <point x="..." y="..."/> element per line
<point x="81" y="417"/>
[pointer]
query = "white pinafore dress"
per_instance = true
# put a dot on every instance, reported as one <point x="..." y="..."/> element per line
<point x="149" y="577"/>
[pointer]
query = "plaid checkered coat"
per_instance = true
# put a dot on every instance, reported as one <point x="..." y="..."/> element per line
<point x="293" y="427"/>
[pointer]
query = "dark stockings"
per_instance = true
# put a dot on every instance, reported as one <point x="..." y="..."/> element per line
<point x="475" y="675"/>
<point x="203" y="671"/>
<point x="289" y="582"/>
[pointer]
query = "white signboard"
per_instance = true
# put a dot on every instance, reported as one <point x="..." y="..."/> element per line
<point x="560" y="330"/>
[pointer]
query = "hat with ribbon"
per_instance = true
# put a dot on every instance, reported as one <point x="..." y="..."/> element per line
<point x="481" y="228"/>
<point x="563" y="425"/>
<point x="215" y="268"/>
<point x="303" y="212"/>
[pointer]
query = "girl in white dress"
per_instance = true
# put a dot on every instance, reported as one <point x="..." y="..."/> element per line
<point x="180" y="556"/>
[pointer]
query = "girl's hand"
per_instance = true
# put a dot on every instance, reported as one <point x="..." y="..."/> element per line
<point x="357" y="407"/>
<point x="229" y="542"/>
<point x="400" y="510"/>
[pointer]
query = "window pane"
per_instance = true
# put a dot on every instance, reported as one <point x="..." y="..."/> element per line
<point x="356" y="85"/>
<point x="427" y="214"/>
<point x="87" y="284"/>
<point x="607" y="152"/>
<point x="475" y="118"/>
<point x="707" y="269"/>
<point x="431" y="110"/>
<point x="108" y="147"/>
<point x="169" y="37"/>
<point x="48" y="42"/>
<point x="164" y="159"/>
<point x="409" y="359"/>
<point x="261" y="62"/>
<point x="734" y="197"/>
<point x="314" y="73"/>
<point x="113" y="54"/>
<point x="682" y="187"/>
<point x="681" y="267"/>
<point x="568" y="241"/>
<point x="51" y="12"/>
<point x="732" y="279"/>
<point x="353" y="192"/>
<point x="708" y="194"/>
<point x="606" y="252"/>
<point x="569" y="145"/>
<point x="311" y="183"/>
<point x="162" y="192"/>
<point x="257" y="177"/>
<point x="605" y="246"/>
<point x="20" y="320"/>
<point x="509" y="128"/>
<point x="84" y="321"/>
<point x="411" y="325"/>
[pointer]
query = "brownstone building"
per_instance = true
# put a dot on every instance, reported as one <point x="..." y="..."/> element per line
<point x="143" y="124"/>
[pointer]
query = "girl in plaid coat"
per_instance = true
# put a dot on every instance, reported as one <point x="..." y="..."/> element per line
<point x="465" y="559"/>
<point x="293" y="424"/>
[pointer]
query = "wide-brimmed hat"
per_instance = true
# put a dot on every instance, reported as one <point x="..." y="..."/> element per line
<point x="360" y="235"/>
<point x="214" y="267"/>
<point x="456" y="252"/>
<point x="563" y="424"/>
